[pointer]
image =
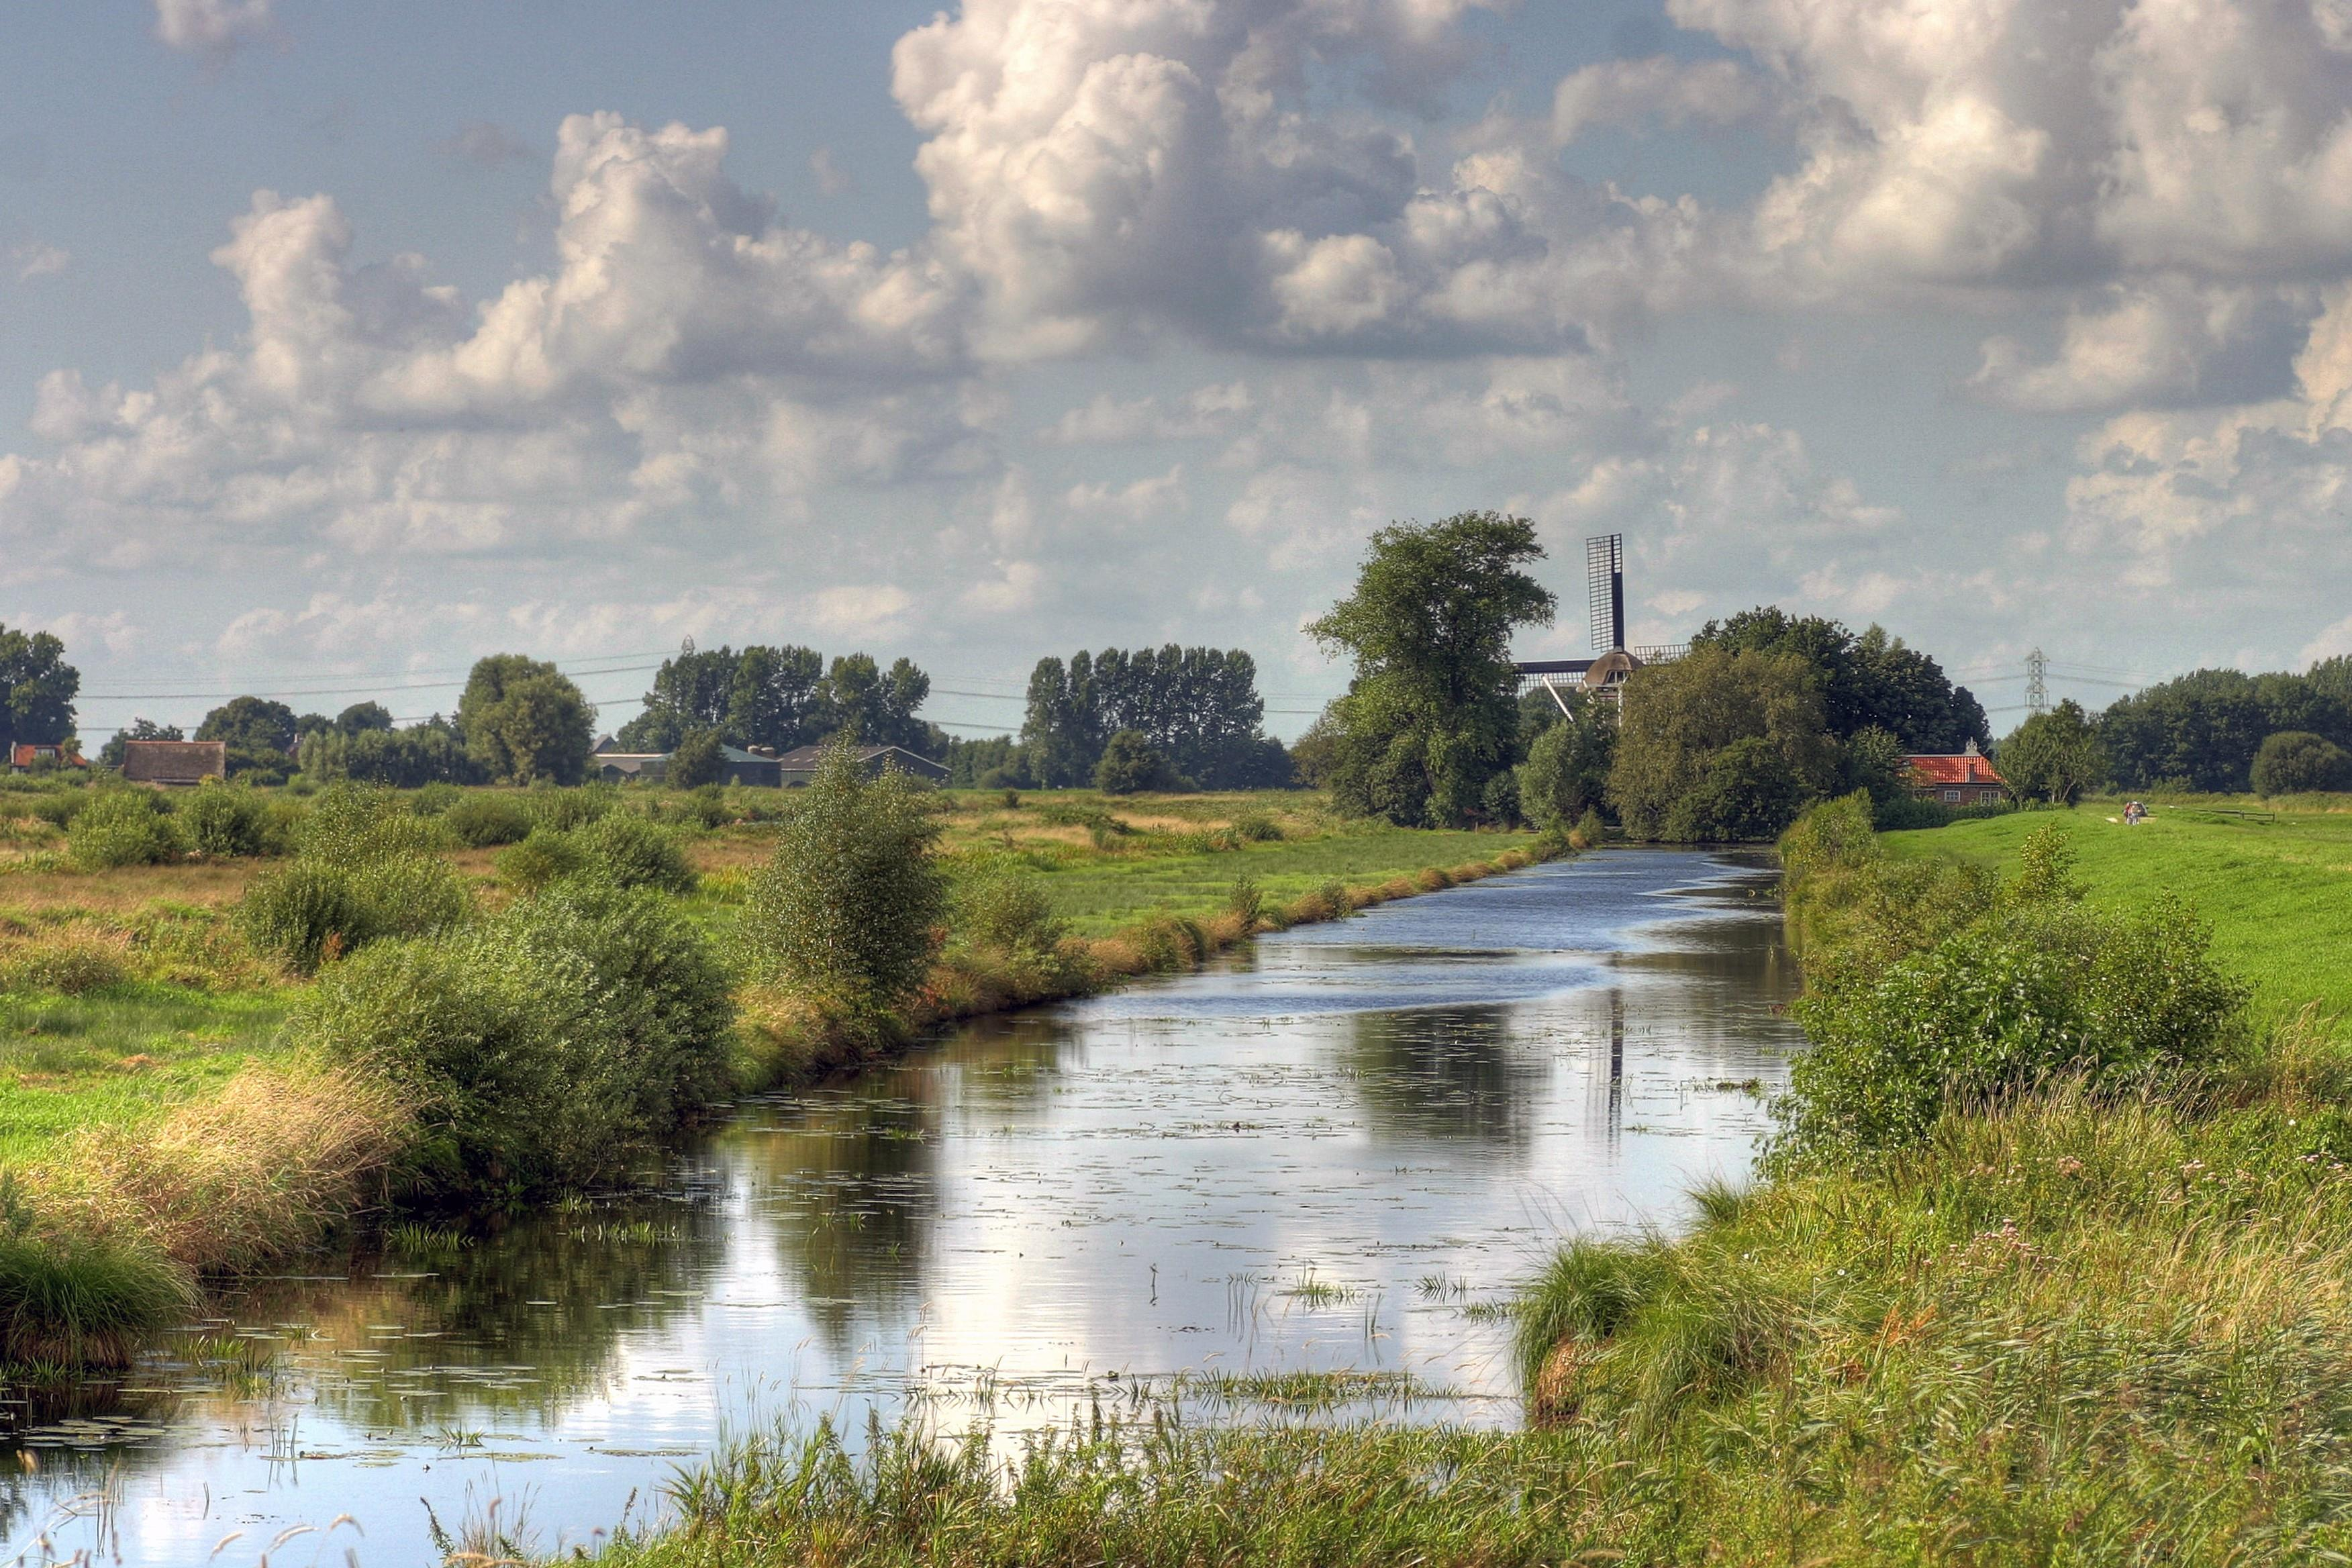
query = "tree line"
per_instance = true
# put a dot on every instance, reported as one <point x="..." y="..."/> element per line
<point x="1768" y="712"/>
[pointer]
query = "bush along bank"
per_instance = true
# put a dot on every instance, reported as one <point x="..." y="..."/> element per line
<point x="449" y="1054"/>
<point x="2047" y="1264"/>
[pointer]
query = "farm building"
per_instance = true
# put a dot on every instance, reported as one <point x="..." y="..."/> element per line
<point x="1967" y="779"/>
<point x="799" y="765"/>
<point x="169" y="764"/>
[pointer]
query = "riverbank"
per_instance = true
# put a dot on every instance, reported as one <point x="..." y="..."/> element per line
<point x="2106" y="1322"/>
<point x="222" y="1143"/>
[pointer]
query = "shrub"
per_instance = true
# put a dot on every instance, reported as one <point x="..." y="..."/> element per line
<point x="1258" y="828"/>
<point x="70" y="961"/>
<point x="83" y="1300"/>
<point x="2039" y="987"/>
<point x="435" y="799"/>
<point x="355" y="824"/>
<point x="1590" y="831"/>
<point x="699" y="760"/>
<point x="2296" y="761"/>
<point x="59" y="807"/>
<point x="543" y="856"/>
<point x="631" y="852"/>
<point x="221" y="820"/>
<point x="484" y="821"/>
<point x="1006" y="909"/>
<point x="1246" y="901"/>
<point x="562" y="810"/>
<point x="122" y="828"/>
<point x="313" y="911"/>
<point x="543" y="1051"/>
<point x="1131" y="765"/>
<point x="706" y="807"/>
<point x="1749" y="792"/>
<point x="1499" y="802"/>
<point x="847" y="911"/>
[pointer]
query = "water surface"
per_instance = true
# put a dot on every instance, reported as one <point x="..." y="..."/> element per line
<point x="1326" y="1153"/>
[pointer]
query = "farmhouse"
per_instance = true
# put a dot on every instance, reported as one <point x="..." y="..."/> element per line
<point x="799" y="766"/>
<point x="26" y="755"/>
<point x="1967" y="779"/>
<point x="169" y="764"/>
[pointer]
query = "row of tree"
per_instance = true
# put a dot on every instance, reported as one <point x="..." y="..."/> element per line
<point x="1173" y="717"/>
<point x="781" y="698"/>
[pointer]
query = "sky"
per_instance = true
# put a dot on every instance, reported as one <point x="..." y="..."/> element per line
<point x="340" y="344"/>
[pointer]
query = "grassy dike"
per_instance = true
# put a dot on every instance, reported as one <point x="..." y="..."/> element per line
<point x="2108" y="1321"/>
<point x="158" y="1124"/>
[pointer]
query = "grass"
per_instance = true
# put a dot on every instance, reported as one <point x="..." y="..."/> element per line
<point x="2278" y="894"/>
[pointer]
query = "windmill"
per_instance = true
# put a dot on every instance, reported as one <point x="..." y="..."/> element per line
<point x="1605" y="572"/>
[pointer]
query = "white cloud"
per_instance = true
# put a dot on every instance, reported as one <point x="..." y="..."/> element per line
<point x="1206" y="411"/>
<point x="866" y="609"/>
<point x="2166" y="341"/>
<point x="1661" y="91"/>
<point x="36" y="260"/>
<point x="1139" y="502"/>
<point x="214" y="27"/>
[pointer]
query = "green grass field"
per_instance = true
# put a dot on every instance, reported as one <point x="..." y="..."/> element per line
<point x="1101" y="896"/>
<point x="67" y="1062"/>
<point x="2277" y="893"/>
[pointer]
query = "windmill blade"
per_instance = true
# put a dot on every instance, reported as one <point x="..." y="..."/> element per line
<point x="1604" y="568"/>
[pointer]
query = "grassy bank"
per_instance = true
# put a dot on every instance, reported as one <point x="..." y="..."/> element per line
<point x="2095" y="1312"/>
<point x="2275" y="885"/>
<point x="211" y="1062"/>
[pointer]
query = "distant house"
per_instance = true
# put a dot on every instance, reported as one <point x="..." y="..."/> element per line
<point x="169" y="764"/>
<point x="629" y="767"/>
<point x="798" y="766"/>
<point x="1967" y="779"/>
<point x="756" y="769"/>
<point x="23" y="755"/>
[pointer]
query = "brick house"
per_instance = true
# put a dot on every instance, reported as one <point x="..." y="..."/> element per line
<point x="23" y="755"/>
<point x="1967" y="779"/>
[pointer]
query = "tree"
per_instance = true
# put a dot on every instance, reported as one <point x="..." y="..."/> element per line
<point x="1875" y="760"/>
<point x="2296" y="761"/>
<point x="691" y="692"/>
<point x="1431" y="714"/>
<point x="1198" y="707"/>
<point x="524" y="721"/>
<point x="115" y="751"/>
<point x="1131" y="764"/>
<point x="38" y="688"/>
<point x="1750" y="792"/>
<point x="360" y="717"/>
<point x="258" y="734"/>
<point x="772" y="700"/>
<point x="1867" y="680"/>
<point x="849" y="910"/>
<point x="696" y="761"/>
<point x="1567" y="771"/>
<point x="856" y="697"/>
<point x="2054" y="756"/>
<point x="1677" y="717"/>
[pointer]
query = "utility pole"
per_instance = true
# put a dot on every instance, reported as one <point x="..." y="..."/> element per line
<point x="2037" y="687"/>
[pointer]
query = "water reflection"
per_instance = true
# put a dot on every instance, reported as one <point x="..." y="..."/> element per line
<point x="1315" y="1155"/>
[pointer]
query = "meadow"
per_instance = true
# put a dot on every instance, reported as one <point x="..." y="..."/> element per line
<point x="2274" y="879"/>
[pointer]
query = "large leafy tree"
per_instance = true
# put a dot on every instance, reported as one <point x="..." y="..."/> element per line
<point x="2054" y="756"/>
<point x="1869" y="679"/>
<point x="38" y="688"/>
<point x="2202" y="729"/>
<point x="259" y="735"/>
<point x="523" y="721"/>
<point x="1432" y="714"/>
<point x="772" y="700"/>
<point x="878" y="707"/>
<point x="1721" y="744"/>
<point x="113" y="754"/>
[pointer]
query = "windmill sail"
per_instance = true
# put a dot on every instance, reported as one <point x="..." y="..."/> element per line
<point x="1604" y="565"/>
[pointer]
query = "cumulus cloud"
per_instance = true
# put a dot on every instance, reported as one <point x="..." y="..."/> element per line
<point x="2163" y="342"/>
<point x="1660" y="90"/>
<point x="214" y="27"/>
<point x="687" y="356"/>
<point x="1111" y="171"/>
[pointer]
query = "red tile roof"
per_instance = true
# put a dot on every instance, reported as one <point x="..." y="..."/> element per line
<point x="25" y="753"/>
<point x="1963" y="769"/>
